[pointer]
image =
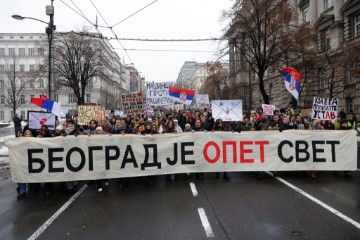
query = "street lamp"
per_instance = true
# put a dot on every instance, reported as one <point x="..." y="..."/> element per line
<point x="50" y="32"/>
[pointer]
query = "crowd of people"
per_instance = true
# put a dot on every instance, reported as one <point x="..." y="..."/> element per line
<point x="172" y="121"/>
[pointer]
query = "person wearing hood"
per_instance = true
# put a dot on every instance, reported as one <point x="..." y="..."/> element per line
<point x="178" y="129"/>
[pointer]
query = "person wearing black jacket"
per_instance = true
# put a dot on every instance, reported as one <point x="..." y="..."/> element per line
<point x="17" y="124"/>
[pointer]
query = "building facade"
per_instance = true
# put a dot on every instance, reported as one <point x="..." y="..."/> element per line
<point x="337" y="23"/>
<point x="22" y="53"/>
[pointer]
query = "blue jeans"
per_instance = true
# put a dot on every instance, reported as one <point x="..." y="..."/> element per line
<point x="22" y="188"/>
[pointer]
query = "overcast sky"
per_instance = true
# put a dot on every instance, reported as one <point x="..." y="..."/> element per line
<point x="163" y="19"/>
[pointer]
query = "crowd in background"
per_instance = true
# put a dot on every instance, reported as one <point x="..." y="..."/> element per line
<point x="171" y="121"/>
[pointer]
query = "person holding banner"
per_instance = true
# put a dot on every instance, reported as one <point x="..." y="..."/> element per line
<point x="22" y="186"/>
<point x="219" y="126"/>
<point x="100" y="183"/>
<point x="170" y="128"/>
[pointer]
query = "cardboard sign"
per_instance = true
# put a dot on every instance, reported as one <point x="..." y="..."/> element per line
<point x="157" y="94"/>
<point x="324" y="108"/>
<point x="132" y="103"/>
<point x="268" y="109"/>
<point x="37" y="118"/>
<point x="86" y="113"/>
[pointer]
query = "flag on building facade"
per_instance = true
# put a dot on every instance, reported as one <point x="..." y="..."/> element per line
<point x="292" y="81"/>
<point x="180" y="95"/>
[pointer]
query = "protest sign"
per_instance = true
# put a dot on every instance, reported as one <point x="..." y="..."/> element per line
<point x="132" y="103"/>
<point x="86" y="113"/>
<point x="227" y="110"/>
<point x="103" y="157"/>
<point x="37" y="118"/>
<point x="202" y="99"/>
<point x="268" y="109"/>
<point x="157" y="94"/>
<point x="324" y="108"/>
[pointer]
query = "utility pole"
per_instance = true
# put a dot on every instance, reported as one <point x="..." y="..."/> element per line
<point x="50" y="32"/>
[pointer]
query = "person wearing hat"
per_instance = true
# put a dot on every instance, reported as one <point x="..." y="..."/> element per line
<point x="177" y="127"/>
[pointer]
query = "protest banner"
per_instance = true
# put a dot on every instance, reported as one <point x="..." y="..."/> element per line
<point x="268" y="109"/>
<point x="132" y="103"/>
<point x="324" y="108"/>
<point x="38" y="118"/>
<point x="202" y="99"/>
<point x="86" y="113"/>
<point x="227" y="110"/>
<point x="157" y="94"/>
<point x="103" y="157"/>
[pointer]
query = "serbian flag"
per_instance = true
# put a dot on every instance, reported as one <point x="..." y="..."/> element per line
<point x="47" y="104"/>
<point x="292" y="81"/>
<point x="183" y="96"/>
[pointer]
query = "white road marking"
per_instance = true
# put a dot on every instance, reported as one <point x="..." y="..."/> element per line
<point x="193" y="189"/>
<point x="205" y="223"/>
<point x="324" y="205"/>
<point x="57" y="214"/>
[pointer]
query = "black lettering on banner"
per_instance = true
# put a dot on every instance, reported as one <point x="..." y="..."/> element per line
<point x="32" y="160"/>
<point x="132" y="159"/>
<point x="155" y="157"/>
<point x="185" y="153"/>
<point x="173" y="162"/>
<point x="108" y="158"/>
<point x="317" y="150"/>
<point x="52" y="159"/>
<point x="91" y="156"/>
<point x="280" y="151"/>
<point x="298" y="151"/>
<point x="68" y="159"/>
<point x="332" y="143"/>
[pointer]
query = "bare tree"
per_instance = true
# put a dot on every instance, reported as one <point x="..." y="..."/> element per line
<point x="262" y="26"/>
<point x="77" y="60"/>
<point x="16" y="82"/>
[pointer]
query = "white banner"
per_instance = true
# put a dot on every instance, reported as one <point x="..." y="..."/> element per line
<point x="157" y="94"/>
<point x="324" y="108"/>
<point x="36" y="119"/>
<point x="102" y="156"/>
<point x="202" y="99"/>
<point x="227" y="110"/>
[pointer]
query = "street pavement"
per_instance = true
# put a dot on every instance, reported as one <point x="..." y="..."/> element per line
<point x="245" y="208"/>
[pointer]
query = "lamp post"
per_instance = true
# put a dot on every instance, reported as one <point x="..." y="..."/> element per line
<point x="50" y="32"/>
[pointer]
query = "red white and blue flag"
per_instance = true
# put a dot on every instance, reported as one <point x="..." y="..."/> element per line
<point x="47" y="104"/>
<point x="292" y="81"/>
<point x="180" y="95"/>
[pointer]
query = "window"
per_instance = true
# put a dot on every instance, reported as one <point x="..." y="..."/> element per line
<point x="2" y="115"/>
<point x="349" y="104"/>
<point x="88" y="99"/>
<point x="21" y="51"/>
<point x="322" y="83"/>
<point x="22" y="99"/>
<point x="22" y="113"/>
<point x="32" y="84"/>
<point x="32" y="96"/>
<point x="22" y="82"/>
<point x="41" y="52"/>
<point x="12" y="67"/>
<point x="2" y="85"/>
<point x="305" y="14"/>
<point x="56" y="97"/>
<point x="11" y="51"/>
<point x="22" y="68"/>
<point x="72" y="112"/>
<point x="2" y="51"/>
<point x="327" y="4"/>
<point x="325" y="40"/>
<point x="2" y="68"/>
<point x="2" y="100"/>
<point x="32" y="68"/>
<point x="41" y="83"/>
<point x="357" y="25"/>
<point x="72" y="98"/>
<point x="31" y="51"/>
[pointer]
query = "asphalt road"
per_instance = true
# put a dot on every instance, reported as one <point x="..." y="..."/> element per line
<point x="245" y="208"/>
